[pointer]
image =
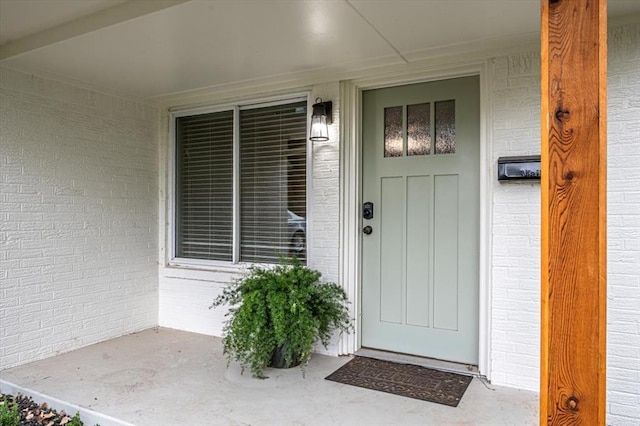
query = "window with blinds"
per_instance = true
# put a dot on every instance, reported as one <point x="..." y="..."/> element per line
<point x="272" y="183"/>
<point x="204" y="186"/>
<point x="271" y="211"/>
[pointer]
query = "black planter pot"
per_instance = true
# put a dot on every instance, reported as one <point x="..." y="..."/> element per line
<point x="278" y="358"/>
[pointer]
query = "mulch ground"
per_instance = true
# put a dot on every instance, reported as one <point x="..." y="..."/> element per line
<point x="34" y="414"/>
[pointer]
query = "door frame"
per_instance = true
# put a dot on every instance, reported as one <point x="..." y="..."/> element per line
<point x="350" y="122"/>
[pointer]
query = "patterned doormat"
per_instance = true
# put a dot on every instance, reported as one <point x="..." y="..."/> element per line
<point x="403" y="379"/>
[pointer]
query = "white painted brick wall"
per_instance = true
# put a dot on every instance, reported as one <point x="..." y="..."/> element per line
<point x="325" y="200"/>
<point x="325" y="194"/>
<point x="516" y="246"/>
<point x="515" y="334"/>
<point x="78" y="217"/>
<point x="185" y="295"/>
<point x="623" y="226"/>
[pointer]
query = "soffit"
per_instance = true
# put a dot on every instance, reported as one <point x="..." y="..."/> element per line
<point x="416" y="28"/>
<point x="208" y="43"/>
<point x="180" y="45"/>
<point x="20" y="18"/>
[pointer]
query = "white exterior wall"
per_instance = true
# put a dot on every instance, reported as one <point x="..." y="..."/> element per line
<point x="623" y="227"/>
<point x="515" y="261"/>
<point x="187" y="293"/>
<point x="78" y="217"/>
<point x="515" y="331"/>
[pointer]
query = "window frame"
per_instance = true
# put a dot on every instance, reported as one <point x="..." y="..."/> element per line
<point x="172" y="210"/>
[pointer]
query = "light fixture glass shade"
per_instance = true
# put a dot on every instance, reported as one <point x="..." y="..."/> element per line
<point x="320" y="120"/>
<point x="319" y="128"/>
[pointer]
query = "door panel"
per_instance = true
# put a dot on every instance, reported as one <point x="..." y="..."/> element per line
<point x="420" y="263"/>
<point x="391" y="229"/>
<point x="418" y="209"/>
<point x="445" y="267"/>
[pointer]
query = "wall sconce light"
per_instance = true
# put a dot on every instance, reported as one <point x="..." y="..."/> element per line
<point x="320" y="120"/>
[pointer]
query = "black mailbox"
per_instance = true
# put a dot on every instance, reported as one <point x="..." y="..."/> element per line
<point x="518" y="168"/>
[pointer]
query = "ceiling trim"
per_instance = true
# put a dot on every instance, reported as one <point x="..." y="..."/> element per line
<point x="86" y="24"/>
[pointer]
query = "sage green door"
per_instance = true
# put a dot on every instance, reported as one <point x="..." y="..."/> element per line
<point x="421" y="146"/>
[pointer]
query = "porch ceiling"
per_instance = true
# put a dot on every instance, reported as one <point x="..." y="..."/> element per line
<point x="154" y="49"/>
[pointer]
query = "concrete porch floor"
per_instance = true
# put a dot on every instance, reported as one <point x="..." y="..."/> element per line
<point x="167" y="377"/>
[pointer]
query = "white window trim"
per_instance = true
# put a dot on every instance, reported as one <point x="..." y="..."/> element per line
<point x="172" y="261"/>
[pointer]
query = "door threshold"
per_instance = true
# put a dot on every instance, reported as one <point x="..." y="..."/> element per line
<point x="436" y="364"/>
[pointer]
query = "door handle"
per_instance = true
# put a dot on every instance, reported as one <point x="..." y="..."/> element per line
<point x="367" y="230"/>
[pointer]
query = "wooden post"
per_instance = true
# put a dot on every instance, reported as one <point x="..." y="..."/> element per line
<point x="573" y="326"/>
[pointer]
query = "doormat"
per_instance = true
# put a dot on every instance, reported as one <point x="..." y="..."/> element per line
<point x="407" y="380"/>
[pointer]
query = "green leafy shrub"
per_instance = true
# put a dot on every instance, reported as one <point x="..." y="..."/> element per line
<point x="285" y="307"/>
<point x="9" y="415"/>
<point x="75" y="420"/>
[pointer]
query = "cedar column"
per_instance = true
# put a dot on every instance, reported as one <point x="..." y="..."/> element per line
<point x="574" y="140"/>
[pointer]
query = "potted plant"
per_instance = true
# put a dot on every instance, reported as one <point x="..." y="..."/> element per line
<point x="277" y="314"/>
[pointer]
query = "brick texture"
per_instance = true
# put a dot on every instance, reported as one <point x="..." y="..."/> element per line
<point x="515" y="323"/>
<point x="78" y="217"/>
<point x="516" y="219"/>
<point x="623" y="226"/>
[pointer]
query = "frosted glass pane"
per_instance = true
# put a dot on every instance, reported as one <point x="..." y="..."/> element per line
<point x="445" y="117"/>
<point x="393" y="141"/>
<point x="418" y="129"/>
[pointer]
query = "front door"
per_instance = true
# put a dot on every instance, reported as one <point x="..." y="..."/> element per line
<point x="421" y="145"/>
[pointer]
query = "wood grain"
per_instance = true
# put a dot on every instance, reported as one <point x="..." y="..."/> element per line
<point x="573" y="290"/>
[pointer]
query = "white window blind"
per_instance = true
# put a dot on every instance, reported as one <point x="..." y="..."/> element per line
<point x="273" y="182"/>
<point x="204" y="222"/>
<point x="271" y="210"/>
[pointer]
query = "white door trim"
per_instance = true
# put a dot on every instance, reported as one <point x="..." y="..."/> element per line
<point x="351" y="191"/>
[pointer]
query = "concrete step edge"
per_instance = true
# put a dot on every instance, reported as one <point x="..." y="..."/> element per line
<point x="89" y="417"/>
